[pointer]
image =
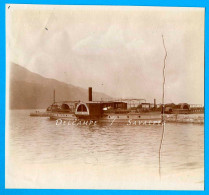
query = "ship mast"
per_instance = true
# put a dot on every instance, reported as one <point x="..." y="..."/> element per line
<point x="54" y="97"/>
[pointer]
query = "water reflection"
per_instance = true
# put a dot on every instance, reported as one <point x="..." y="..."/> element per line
<point x="39" y="140"/>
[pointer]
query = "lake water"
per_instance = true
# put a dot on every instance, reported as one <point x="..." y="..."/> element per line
<point x="40" y="154"/>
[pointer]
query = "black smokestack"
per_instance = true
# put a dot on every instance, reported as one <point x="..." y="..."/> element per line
<point x="90" y="93"/>
<point x="155" y="105"/>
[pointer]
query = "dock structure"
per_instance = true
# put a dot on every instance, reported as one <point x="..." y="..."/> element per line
<point x="185" y="118"/>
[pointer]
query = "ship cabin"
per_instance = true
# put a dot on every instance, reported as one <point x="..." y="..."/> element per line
<point x="183" y="106"/>
<point x="95" y="110"/>
<point x="63" y="106"/>
<point x="88" y="110"/>
<point x="115" y="105"/>
<point x="145" y="107"/>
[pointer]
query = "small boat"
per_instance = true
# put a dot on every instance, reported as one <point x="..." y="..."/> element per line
<point x="40" y="114"/>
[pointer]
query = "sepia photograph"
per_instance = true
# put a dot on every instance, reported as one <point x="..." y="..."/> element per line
<point x="104" y="97"/>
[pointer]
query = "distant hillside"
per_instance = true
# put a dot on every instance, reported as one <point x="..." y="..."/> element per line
<point x="30" y="90"/>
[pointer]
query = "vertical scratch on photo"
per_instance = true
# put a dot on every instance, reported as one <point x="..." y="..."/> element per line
<point x="163" y="107"/>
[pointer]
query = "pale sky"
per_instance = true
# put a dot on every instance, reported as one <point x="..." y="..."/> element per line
<point x="116" y="50"/>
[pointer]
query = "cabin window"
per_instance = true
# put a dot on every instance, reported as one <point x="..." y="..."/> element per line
<point x="186" y="107"/>
<point x="118" y="116"/>
<point x="65" y="107"/>
<point x="127" y="116"/>
<point x="108" y="116"/>
<point x="82" y="108"/>
<point x="139" y="116"/>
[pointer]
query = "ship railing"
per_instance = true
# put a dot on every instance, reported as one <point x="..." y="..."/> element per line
<point x="196" y="106"/>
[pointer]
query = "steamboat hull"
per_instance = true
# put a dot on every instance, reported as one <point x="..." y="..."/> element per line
<point x="65" y="116"/>
<point x="132" y="119"/>
<point x="113" y="118"/>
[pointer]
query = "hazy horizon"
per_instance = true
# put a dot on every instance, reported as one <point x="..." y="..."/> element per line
<point x="116" y="50"/>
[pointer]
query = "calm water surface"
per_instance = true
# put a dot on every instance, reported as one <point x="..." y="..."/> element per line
<point x="36" y="140"/>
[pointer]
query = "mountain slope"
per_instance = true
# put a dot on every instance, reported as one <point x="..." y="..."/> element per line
<point x="30" y="90"/>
